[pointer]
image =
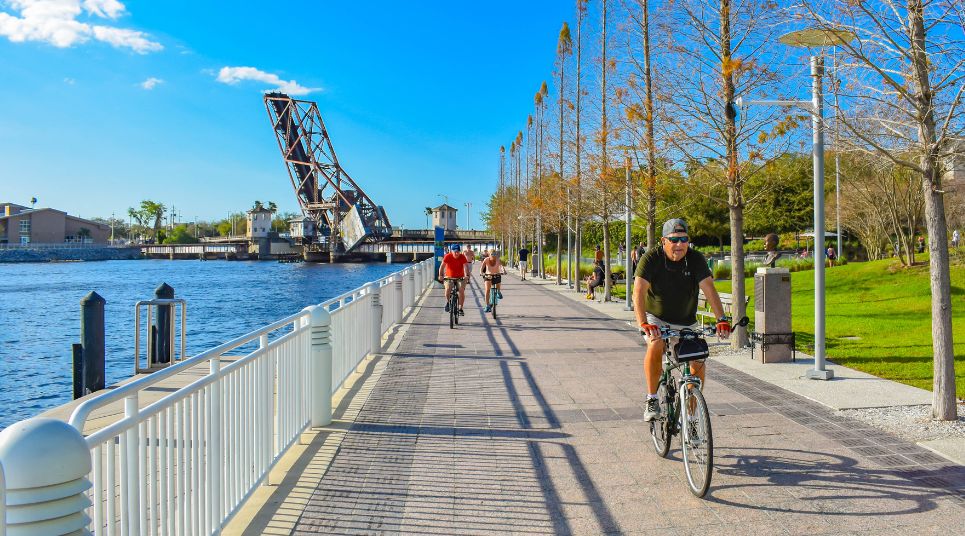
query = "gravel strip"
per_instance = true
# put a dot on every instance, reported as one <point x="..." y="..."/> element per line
<point x="913" y="423"/>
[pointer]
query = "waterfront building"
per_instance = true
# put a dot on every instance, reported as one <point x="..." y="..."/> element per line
<point x="444" y="216"/>
<point x="259" y="222"/>
<point x="23" y="225"/>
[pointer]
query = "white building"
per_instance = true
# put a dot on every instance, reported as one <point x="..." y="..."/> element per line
<point x="444" y="216"/>
<point x="259" y="223"/>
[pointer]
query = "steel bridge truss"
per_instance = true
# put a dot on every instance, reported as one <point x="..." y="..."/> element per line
<point x="342" y="215"/>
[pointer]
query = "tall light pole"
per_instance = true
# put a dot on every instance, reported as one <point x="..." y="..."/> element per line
<point x="626" y="252"/>
<point x="468" y="215"/>
<point x="112" y="228"/>
<point x="815" y="38"/>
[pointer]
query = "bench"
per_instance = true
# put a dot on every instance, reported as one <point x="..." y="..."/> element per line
<point x="704" y="310"/>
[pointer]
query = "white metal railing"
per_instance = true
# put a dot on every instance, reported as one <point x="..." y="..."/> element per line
<point x="185" y="463"/>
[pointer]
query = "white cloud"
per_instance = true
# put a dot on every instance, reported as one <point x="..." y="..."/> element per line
<point x="56" y="22"/>
<point x="233" y="75"/>
<point x="69" y="81"/>
<point x="151" y="83"/>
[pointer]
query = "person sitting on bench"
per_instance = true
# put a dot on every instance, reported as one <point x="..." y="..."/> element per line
<point x="595" y="280"/>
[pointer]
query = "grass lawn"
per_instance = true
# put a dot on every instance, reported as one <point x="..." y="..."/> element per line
<point x="887" y="309"/>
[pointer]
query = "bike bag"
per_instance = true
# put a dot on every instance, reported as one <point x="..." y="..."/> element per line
<point x="690" y="349"/>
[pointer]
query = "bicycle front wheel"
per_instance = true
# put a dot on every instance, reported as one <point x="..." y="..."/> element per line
<point x="660" y="428"/>
<point x="697" y="440"/>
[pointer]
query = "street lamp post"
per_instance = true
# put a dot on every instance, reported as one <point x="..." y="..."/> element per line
<point x="468" y="217"/>
<point x="626" y="253"/>
<point x="814" y="39"/>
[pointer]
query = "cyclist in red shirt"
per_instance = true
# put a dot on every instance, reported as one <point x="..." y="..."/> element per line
<point x="454" y="267"/>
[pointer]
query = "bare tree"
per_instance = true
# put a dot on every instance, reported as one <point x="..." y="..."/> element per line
<point x="564" y="47"/>
<point x="581" y="8"/>
<point x="715" y="51"/>
<point x="906" y="73"/>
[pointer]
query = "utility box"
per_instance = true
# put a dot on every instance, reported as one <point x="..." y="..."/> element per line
<point x="772" y="340"/>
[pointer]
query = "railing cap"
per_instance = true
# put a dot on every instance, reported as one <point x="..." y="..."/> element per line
<point x="319" y="315"/>
<point x="40" y="452"/>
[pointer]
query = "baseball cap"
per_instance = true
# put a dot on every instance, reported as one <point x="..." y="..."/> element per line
<point x="454" y="247"/>
<point x="675" y="225"/>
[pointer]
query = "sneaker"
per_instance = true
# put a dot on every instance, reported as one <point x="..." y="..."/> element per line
<point x="489" y="308"/>
<point x="447" y="307"/>
<point x="653" y="410"/>
<point x="499" y="294"/>
<point x="462" y="313"/>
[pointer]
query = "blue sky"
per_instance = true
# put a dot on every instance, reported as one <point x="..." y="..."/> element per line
<point x="417" y="97"/>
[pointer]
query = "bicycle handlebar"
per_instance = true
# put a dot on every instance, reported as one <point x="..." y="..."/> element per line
<point x="666" y="332"/>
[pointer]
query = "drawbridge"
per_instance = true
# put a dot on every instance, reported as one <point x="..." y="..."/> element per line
<point x="338" y="216"/>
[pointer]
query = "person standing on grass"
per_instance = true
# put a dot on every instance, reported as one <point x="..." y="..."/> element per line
<point x="955" y="238"/>
<point x="523" y="256"/>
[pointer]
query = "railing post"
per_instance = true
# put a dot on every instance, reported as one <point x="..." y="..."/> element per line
<point x="214" y="454"/>
<point x="46" y="462"/>
<point x="410" y="281"/>
<point x="376" y="297"/>
<point x="401" y="296"/>
<point x="321" y="365"/>
<point x="133" y="476"/>
<point x="3" y="504"/>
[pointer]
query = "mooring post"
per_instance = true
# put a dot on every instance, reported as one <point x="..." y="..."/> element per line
<point x="92" y="343"/>
<point x="320" y="322"/>
<point x="46" y="463"/>
<point x="376" y="296"/>
<point x="163" y="327"/>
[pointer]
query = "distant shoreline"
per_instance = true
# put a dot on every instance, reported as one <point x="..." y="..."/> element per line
<point x="68" y="254"/>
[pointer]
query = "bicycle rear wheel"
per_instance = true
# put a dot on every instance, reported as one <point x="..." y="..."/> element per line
<point x="453" y="314"/>
<point x="660" y="428"/>
<point x="697" y="440"/>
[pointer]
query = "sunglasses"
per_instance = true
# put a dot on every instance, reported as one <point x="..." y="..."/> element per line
<point x="678" y="239"/>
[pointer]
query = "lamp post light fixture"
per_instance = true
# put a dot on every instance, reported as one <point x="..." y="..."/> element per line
<point x="814" y="38"/>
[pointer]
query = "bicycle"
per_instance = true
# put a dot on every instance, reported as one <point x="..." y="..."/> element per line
<point x="454" y="301"/>
<point x="681" y="401"/>
<point x="493" y="299"/>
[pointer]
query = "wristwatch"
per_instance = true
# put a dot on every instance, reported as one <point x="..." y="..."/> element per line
<point x="723" y="319"/>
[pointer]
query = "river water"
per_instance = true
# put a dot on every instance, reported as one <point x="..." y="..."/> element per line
<point x="40" y="313"/>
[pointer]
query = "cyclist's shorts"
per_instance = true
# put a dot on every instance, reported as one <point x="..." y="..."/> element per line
<point x="497" y="279"/>
<point x="660" y="323"/>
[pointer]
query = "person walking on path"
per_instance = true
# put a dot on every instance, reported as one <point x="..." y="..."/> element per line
<point x="666" y="284"/>
<point x="523" y="257"/>
<point x="453" y="268"/>
<point x="831" y="254"/>
<point x="636" y="255"/>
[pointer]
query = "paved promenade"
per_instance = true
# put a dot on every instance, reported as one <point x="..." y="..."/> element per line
<point x="533" y="424"/>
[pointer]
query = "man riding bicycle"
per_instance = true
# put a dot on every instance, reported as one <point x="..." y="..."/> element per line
<point x="453" y="269"/>
<point x="666" y="284"/>
<point x="493" y="266"/>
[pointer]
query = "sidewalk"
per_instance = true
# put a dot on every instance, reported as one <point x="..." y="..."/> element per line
<point x="850" y="389"/>
<point x="532" y="424"/>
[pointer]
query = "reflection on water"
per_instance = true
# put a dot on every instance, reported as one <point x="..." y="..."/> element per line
<point x="40" y="313"/>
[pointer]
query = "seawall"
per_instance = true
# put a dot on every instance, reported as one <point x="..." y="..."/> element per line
<point x="49" y="254"/>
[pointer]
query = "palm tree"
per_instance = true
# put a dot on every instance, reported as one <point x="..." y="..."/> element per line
<point x="272" y="207"/>
<point x="428" y="213"/>
<point x="258" y="205"/>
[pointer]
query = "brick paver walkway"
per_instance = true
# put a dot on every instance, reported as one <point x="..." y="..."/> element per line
<point x="533" y="424"/>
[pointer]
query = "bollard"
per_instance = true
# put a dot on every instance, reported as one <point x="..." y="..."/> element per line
<point x="46" y="463"/>
<point x="320" y="321"/>
<point x="376" y="297"/>
<point x="91" y="352"/>
<point x="162" y="332"/>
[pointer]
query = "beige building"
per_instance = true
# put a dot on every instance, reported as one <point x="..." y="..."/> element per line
<point x="444" y="216"/>
<point x="259" y="223"/>
<point x="22" y="225"/>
